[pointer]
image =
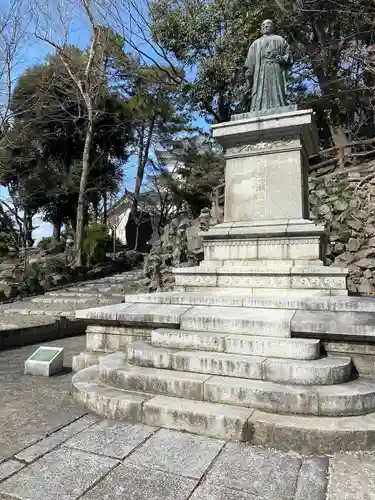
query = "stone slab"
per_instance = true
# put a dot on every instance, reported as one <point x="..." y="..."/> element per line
<point x="213" y="420"/>
<point x="102" y="313"/>
<point x="111" y="439"/>
<point x="356" y="397"/>
<point x="332" y="325"/>
<point x="184" y="339"/>
<point x="272" y="346"/>
<point x="107" y="401"/>
<point x="237" y="344"/>
<point x="230" y="365"/>
<point x="273" y="323"/>
<point x="178" y="453"/>
<point x="266" y="396"/>
<point x="256" y="471"/>
<point x="153" y="380"/>
<point x="207" y="491"/>
<point x="352" y="477"/>
<point x="132" y="482"/>
<point x="313" y="479"/>
<point x="153" y="314"/>
<point x="324" y="371"/>
<point x="264" y="112"/>
<point x="45" y="445"/>
<point x="65" y="473"/>
<point x="313" y="435"/>
<point x="8" y="468"/>
<point x="143" y="354"/>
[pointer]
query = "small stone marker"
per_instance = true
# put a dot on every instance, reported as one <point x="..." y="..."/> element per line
<point x="45" y="361"/>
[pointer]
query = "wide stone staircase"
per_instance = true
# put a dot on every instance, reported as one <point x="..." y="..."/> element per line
<point x="237" y="372"/>
<point x="56" y="310"/>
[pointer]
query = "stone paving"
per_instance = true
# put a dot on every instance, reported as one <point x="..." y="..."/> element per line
<point x="51" y="449"/>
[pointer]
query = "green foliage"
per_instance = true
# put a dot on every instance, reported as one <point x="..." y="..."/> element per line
<point x="214" y="36"/>
<point x="96" y="243"/>
<point x="46" y="243"/>
<point x="6" y="240"/>
<point x="200" y="168"/>
<point x="331" y="42"/>
<point x="40" y="156"/>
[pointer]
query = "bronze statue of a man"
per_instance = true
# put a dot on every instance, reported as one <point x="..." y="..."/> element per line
<point x="267" y="63"/>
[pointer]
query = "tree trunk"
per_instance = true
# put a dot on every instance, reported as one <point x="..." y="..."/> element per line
<point x="143" y="159"/>
<point x="105" y="209"/>
<point x="57" y="231"/>
<point x="80" y="224"/>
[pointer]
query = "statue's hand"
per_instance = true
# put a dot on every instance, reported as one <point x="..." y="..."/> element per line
<point x="278" y="59"/>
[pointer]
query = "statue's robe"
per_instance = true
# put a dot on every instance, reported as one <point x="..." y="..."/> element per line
<point x="268" y="76"/>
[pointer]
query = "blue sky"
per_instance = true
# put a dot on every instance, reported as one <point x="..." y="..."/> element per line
<point x="34" y="53"/>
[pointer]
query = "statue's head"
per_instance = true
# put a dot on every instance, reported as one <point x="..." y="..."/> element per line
<point x="268" y="27"/>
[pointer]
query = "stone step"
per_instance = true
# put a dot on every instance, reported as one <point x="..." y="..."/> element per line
<point x="315" y="303"/>
<point x="134" y="378"/>
<point x="291" y="348"/>
<point x="330" y="324"/>
<point x="351" y="398"/>
<point x="27" y="308"/>
<point x="150" y="315"/>
<point x="96" y="289"/>
<point x="107" y="401"/>
<point x="86" y="295"/>
<point x="304" y="435"/>
<point x="324" y="371"/>
<point x="260" y="322"/>
<point x="77" y="300"/>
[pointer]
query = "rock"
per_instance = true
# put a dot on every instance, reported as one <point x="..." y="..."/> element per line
<point x="338" y="247"/>
<point x="368" y="274"/>
<point x="340" y="206"/>
<point x="371" y="242"/>
<point x="365" y="286"/>
<point x="353" y="245"/>
<point x="364" y="253"/>
<point x="346" y="257"/>
<point x="353" y="203"/>
<point x="324" y="209"/>
<point x="352" y="287"/>
<point x="9" y="290"/>
<point x="361" y="214"/>
<point x="355" y="224"/>
<point x="366" y="263"/>
<point x="369" y="229"/>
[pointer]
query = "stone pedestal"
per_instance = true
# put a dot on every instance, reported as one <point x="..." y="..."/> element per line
<point x="266" y="175"/>
<point x="266" y="214"/>
<point x="266" y="190"/>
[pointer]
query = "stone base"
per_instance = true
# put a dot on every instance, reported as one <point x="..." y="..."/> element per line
<point x="236" y="367"/>
<point x="307" y="435"/>
<point x="280" y="279"/>
<point x="293" y="240"/>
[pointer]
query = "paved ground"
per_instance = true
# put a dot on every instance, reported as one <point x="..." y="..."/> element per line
<point x="50" y="449"/>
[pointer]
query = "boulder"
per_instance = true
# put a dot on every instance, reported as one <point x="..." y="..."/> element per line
<point x="366" y="263"/>
<point x="353" y="245"/>
<point x="365" y="286"/>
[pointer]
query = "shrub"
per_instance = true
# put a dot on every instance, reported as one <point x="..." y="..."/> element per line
<point x="96" y="243"/>
<point x="46" y="243"/>
<point x="6" y="240"/>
